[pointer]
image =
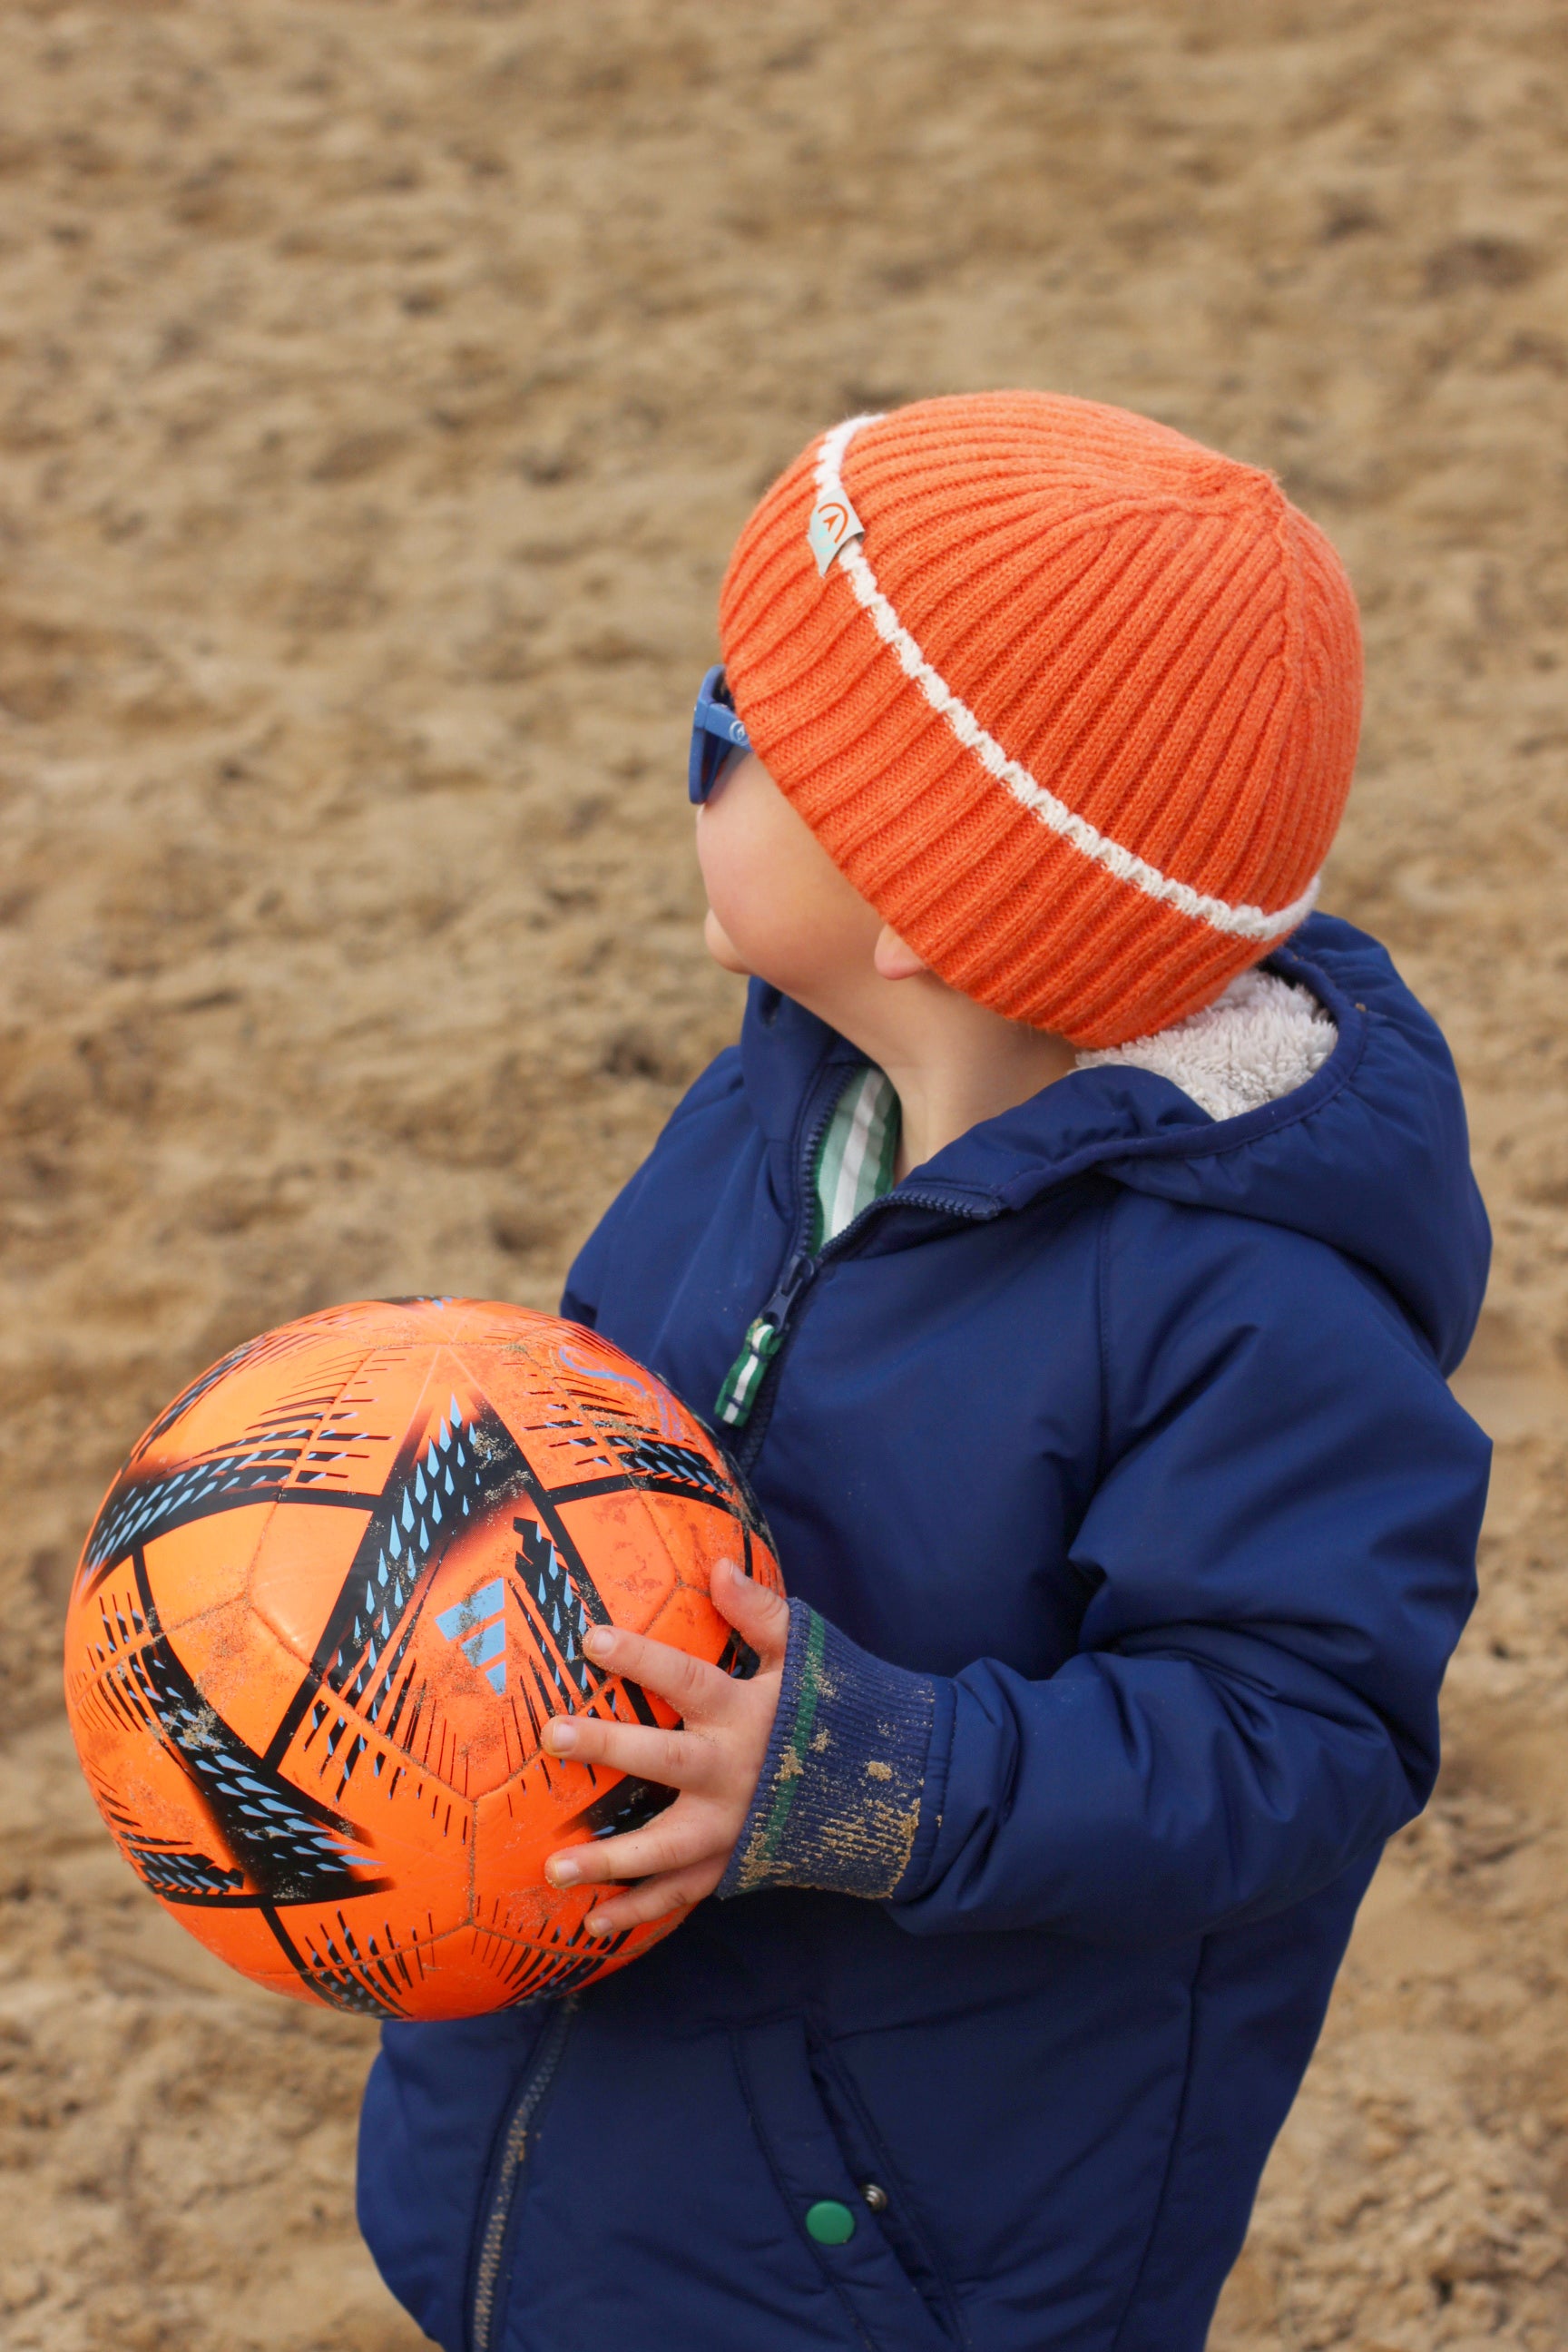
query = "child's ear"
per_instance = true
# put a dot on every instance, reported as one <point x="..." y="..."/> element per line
<point x="894" y="958"/>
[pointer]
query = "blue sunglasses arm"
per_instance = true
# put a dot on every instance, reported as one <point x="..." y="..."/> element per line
<point x="714" y="720"/>
<point x="720" y="723"/>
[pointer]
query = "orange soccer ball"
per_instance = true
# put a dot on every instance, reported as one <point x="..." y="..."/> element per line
<point x="328" y="1607"/>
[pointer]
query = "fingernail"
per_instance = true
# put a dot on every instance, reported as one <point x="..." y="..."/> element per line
<point x="560" y="1737"/>
<point x="561" y="1871"/>
<point x="598" y="1642"/>
<point x="596" y="1925"/>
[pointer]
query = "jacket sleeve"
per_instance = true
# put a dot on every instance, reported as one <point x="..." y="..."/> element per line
<point x="1278" y="1557"/>
<point x="592" y="1273"/>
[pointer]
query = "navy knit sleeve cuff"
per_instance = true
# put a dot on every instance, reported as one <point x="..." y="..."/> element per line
<point x="838" y="1801"/>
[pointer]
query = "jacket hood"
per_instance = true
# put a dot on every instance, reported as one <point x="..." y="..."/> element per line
<point x="1370" y="1155"/>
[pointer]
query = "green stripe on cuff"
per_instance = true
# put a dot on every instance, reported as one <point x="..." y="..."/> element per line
<point x="792" y="1762"/>
<point x="840" y="1796"/>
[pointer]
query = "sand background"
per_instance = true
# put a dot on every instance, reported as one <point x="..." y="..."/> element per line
<point x="381" y="386"/>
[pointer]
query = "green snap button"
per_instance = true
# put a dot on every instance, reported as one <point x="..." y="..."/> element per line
<point x="829" y="2223"/>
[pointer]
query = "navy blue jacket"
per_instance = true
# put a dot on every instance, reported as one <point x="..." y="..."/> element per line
<point x="1130" y="1525"/>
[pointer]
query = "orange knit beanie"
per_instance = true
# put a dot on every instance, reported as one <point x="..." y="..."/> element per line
<point x="1072" y="700"/>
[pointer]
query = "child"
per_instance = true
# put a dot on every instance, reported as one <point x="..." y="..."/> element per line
<point x="1070" y="1255"/>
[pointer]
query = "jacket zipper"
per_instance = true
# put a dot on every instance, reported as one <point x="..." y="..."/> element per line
<point x="514" y="2149"/>
<point x="769" y="1333"/>
<point x="764" y="1335"/>
<point x="747" y="1376"/>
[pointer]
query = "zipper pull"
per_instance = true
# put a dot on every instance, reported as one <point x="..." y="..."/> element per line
<point x="742" y="1382"/>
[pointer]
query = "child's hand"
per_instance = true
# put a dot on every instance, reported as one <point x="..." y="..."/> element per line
<point x="713" y="1758"/>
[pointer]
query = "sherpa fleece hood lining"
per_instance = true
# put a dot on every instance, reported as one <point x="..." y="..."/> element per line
<point x="1256" y="1043"/>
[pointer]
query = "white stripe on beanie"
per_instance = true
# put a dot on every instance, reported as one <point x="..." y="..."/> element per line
<point x="1239" y="922"/>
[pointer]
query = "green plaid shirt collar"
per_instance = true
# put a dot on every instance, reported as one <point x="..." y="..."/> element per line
<point x="854" y="1157"/>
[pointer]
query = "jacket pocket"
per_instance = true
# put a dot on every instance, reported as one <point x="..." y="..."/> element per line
<point x="872" y="2163"/>
<point x="827" y="2203"/>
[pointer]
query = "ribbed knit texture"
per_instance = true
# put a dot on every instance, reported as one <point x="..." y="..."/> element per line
<point x="837" y="1801"/>
<point x="1150" y="629"/>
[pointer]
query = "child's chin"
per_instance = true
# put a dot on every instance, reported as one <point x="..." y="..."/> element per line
<point x="722" y="948"/>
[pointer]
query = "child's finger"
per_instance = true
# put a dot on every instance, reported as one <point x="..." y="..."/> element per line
<point x="656" y="1898"/>
<point x="693" y="1687"/>
<point x="674" y="1840"/>
<point x="759" y="1615"/>
<point x="674" y="1758"/>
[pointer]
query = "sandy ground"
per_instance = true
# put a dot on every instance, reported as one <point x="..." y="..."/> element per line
<point x="380" y="388"/>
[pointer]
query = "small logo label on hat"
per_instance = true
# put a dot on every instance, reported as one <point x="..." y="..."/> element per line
<point x="834" y="523"/>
